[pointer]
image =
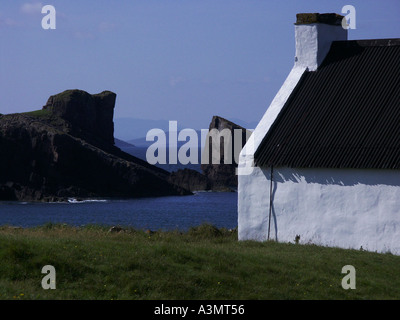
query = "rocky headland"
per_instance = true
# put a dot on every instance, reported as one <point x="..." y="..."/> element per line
<point x="66" y="150"/>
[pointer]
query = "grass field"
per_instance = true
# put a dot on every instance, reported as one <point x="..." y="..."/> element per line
<point x="203" y="263"/>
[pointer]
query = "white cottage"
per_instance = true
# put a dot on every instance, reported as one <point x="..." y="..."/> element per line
<point x="323" y="164"/>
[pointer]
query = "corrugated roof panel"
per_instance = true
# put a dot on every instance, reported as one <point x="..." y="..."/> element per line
<point x="344" y="115"/>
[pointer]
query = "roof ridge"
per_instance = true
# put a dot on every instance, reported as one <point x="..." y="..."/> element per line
<point x="385" y="42"/>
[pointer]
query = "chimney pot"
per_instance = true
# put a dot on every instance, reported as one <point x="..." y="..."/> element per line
<point x="327" y="18"/>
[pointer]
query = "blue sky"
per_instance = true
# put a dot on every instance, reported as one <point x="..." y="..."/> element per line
<point x="183" y="60"/>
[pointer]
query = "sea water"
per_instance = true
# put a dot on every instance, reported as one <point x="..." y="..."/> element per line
<point x="161" y="213"/>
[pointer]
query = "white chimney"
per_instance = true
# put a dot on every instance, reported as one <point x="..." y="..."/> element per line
<point x="314" y="35"/>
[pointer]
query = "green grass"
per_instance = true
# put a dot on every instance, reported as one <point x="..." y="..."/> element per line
<point x="38" y="113"/>
<point x="47" y="117"/>
<point x="203" y="263"/>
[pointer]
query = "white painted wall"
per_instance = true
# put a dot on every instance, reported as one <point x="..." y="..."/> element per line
<point x="332" y="207"/>
<point x="313" y="42"/>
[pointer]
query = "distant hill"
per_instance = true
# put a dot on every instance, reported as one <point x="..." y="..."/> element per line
<point x="122" y="144"/>
<point x="140" y="152"/>
<point x="127" y="129"/>
<point x="142" y="142"/>
<point x="138" y="148"/>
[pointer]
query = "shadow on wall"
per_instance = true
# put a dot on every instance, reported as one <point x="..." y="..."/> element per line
<point x="339" y="177"/>
<point x="342" y="177"/>
<point x="272" y="221"/>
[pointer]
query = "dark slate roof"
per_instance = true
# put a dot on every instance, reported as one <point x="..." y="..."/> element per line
<point x="344" y="115"/>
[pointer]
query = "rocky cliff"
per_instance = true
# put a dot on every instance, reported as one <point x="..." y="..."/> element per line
<point x="67" y="150"/>
<point x="222" y="174"/>
<point x="218" y="167"/>
<point x="89" y="116"/>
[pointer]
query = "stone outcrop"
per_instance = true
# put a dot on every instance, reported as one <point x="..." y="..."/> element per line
<point x="222" y="175"/>
<point x="218" y="173"/>
<point x="87" y="116"/>
<point x="67" y="150"/>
